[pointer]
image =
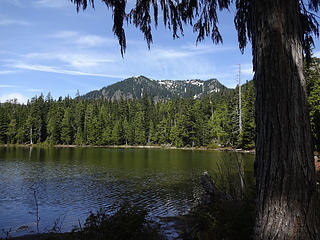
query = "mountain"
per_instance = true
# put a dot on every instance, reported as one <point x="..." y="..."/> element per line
<point x="136" y="87"/>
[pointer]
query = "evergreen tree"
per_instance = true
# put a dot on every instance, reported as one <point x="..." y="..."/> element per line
<point x="128" y="132"/>
<point x="106" y="137"/>
<point x="12" y="131"/>
<point x="116" y="135"/>
<point x="163" y="131"/>
<point x="92" y="127"/>
<point x="152" y="139"/>
<point x="3" y="125"/>
<point x="22" y="135"/>
<point x="247" y="135"/>
<point x="139" y="133"/>
<point x="219" y="125"/>
<point x="178" y="133"/>
<point x="199" y="123"/>
<point x="313" y="89"/>
<point x="67" y="127"/>
<point x="55" y="115"/>
<point x="79" y="123"/>
<point x="36" y="120"/>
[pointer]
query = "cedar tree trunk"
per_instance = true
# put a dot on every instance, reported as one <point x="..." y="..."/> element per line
<point x="284" y="167"/>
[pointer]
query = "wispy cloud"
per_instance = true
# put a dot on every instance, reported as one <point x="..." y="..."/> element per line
<point x="3" y="72"/>
<point x="7" y="86"/>
<point x="83" y="40"/>
<point x="17" y="3"/>
<point x="207" y="48"/>
<point x="170" y="53"/>
<point x="76" y="60"/>
<point x="64" y="34"/>
<point x="50" y="3"/>
<point x="316" y="54"/>
<point x="247" y="69"/>
<point x="187" y="50"/>
<point x="92" y="40"/>
<point x="7" y="22"/>
<point x="34" y="90"/>
<point x="43" y="68"/>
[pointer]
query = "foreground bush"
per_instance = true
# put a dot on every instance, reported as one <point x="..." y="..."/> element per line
<point x="128" y="223"/>
<point x="229" y="215"/>
<point x="222" y="220"/>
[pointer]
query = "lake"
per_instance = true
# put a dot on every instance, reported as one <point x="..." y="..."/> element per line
<point x="70" y="182"/>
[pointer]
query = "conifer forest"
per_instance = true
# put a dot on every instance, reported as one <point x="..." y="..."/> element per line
<point x="175" y="122"/>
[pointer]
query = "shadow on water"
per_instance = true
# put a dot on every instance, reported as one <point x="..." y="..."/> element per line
<point x="71" y="182"/>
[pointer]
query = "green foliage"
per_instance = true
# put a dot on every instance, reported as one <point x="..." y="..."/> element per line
<point x="219" y="125"/>
<point x="67" y="127"/>
<point x="231" y="214"/>
<point x="247" y="135"/>
<point x="3" y="125"/>
<point x="212" y="145"/>
<point x="233" y="220"/>
<point x="178" y="122"/>
<point x="116" y="134"/>
<point x="129" y="222"/>
<point x="313" y="90"/>
<point x="54" y="119"/>
<point x="140" y="135"/>
<point x="11" y="131"/>
<point x="92" y="126"/>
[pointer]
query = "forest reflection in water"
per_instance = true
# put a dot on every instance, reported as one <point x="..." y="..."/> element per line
<point x="71" y="182"/>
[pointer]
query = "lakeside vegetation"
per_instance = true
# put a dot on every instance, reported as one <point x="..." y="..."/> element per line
<point x="206" y="122"/>
<point x="176" y="122"/>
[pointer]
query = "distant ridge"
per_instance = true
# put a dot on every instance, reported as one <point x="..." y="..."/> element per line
<point x="136" y="87"/>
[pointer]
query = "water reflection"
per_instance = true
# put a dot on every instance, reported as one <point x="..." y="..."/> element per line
<point x="70" y="182"/>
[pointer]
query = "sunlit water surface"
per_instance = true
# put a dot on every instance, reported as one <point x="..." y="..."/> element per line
<point x="71" y="182"/>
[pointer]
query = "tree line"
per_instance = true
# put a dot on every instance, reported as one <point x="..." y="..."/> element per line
<point x="177" y="122"/>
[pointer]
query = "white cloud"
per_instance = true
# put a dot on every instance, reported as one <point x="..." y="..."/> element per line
<point x="316" y="54"/>
<point x="92" y="40"/>
<point x="187" y="50"/>
<point x="11" y="96"/>
<point x="207" y="48"/>
<point x="7" y="86"/>
<point x="43" y="68"/>
<point x="170" y="53"/>
<point x="2" y="72"/>
<point x="64" y="34"/>
<point x="76" y="60"/>
<point x="83" y="40"/>
<point x="50" y="3"/>
<point x="7" y="22"/>
<point x="247" y="69"/>
<point x="34" y="90"/>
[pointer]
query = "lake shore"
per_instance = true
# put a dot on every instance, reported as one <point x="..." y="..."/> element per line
<point x="222" y="149"/>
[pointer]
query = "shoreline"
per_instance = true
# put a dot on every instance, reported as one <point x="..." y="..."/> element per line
<point x="222" y="149"/>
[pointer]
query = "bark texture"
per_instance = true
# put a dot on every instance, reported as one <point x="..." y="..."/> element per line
<point x="284" y="167"/>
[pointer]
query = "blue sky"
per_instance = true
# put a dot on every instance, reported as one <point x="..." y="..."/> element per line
<point x="46" y="46"/>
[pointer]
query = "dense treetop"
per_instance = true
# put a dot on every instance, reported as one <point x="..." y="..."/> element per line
<point x="177" y="122"/>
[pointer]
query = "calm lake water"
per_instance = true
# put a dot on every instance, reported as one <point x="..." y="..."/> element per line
<point x="71" y="182"/>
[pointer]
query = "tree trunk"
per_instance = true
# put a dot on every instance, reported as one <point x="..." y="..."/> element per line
<point x="284" y="167"/>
